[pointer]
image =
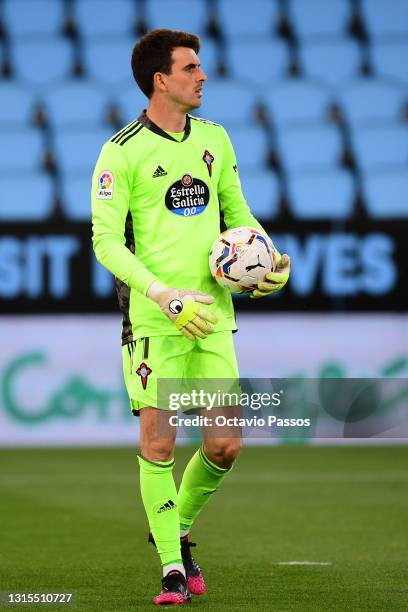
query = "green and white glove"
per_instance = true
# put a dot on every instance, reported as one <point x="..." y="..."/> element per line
<point x="274" y="281"/>
<point x="185" y="310"/>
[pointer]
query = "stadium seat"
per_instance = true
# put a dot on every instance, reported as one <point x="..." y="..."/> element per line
<point x="42" y="62"/>
<point x="332" y="61"/>
<point x="322" y="195"/>
<point x="250" y="146"/>
<point x="108" y="62"/>
<point x="76" y="196"/>
<point x="296" y="101"/>
<point x="131" y="102"/>
<point x="21" y="149"/>
<point x="225" y="100"/>
<point x="315" y="18"/>
<point x="254" y="19"/>
<point x="17" y="103"/>
<point x="390" y="59"/>
<point x="386" y="194"/>
<point x="256" y="63"/>
<point x="386" y="17"/>
<point x="261" y="190"/>
<point x="308" y="147"/>
<point x="97" y="18"/>
<point x="33" y="17"/>
<point x="78" y="150"/>
<point x="371" y="100"/>
<point x="26" y="200"/>
<point x="177" y="15"/>
<point x="208" y="57"/>
<point x="381" y="146"/>
<point x="76" y="102"/>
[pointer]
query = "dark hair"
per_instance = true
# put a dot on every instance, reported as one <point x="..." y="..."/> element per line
<point x="153" y="54"/>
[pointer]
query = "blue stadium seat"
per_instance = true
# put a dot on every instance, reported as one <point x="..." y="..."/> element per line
<point x="26" y="200"/>
<point x="225" y="100"/>
<point x="255" y="19"/>
<point x="108" y="61"/>
<point x="332" y="61"/>
<point x="96" y="18"/>
<point x="371" y="100"/>
<point x="386" y="194"/>
<point x="381" y="146"/>
<point x="177" y="15"/>
<point x="390" y="59"/>
<point x="42" y="62"/>
<point x="33" y="17"/>
<point x="208" y="57"/>
<point x="17" y="103"/>
<point x="386" y="17"/>
<point x="314" y="18"/>
<point x="131" y="103"/>
<point x="78" y="150"/>
<point x="21" y="149"/>
<point x="322" y="195"/>
<point x="258" y="62"/>
<point x="250" y="146"/>
<point x="77" y="102"/>
<point x="308" y="147"/>
<point x="296" y="101"/>
<point x="76" y="196"/>
<point x="262" y="191"/>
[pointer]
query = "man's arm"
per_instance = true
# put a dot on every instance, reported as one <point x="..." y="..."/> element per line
<point x="234" y="207"/>
<point x="110" y="207"/>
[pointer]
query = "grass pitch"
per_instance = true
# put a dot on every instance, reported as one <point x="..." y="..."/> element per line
<point x="72" y="520"/>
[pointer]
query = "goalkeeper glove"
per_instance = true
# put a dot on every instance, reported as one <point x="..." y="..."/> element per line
<point x="274" y="280"/>
<point x="184" y="309"/>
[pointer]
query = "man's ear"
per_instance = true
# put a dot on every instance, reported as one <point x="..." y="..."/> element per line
<point x="159" y="82"/>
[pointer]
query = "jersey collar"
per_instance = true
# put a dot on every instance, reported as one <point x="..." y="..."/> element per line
<point x="144" y="120"/>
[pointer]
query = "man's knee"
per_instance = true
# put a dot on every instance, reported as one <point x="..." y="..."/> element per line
<point x="157" y="450"/>
<point x="223" y="452"/>
<point x="155" y="446"/>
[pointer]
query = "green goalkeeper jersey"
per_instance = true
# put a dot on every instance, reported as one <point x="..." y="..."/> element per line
<point x="157" y="203"/>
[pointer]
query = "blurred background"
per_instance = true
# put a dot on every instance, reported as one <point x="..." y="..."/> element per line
<point x="314" y="95"/>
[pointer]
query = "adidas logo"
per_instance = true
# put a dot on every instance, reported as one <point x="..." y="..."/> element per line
<point x="159" y="172"/>
<point x="168" y="505"/>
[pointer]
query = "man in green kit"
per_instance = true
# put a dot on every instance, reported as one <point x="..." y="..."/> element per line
<point x="159" y="189"/>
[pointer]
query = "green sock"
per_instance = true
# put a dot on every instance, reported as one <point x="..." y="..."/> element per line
<point x="159" y="495"/>
<point x="201" y="478"/>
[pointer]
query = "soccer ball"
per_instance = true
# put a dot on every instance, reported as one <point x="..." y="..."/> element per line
<point x="240" y="258"/>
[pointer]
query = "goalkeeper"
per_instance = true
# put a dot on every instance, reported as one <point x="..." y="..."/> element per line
<point x="160" y="188"/>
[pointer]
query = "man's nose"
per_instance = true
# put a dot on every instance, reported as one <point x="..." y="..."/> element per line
<point x="202" y="76"/>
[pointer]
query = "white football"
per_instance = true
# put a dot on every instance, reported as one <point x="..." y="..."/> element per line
<point x="240" y="258"/>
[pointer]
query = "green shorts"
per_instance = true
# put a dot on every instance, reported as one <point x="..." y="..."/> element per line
<point x="148" y="359"/>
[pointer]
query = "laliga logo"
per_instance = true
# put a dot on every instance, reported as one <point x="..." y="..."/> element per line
<point x="105" y="185"/>
<point x="105" y="180"/>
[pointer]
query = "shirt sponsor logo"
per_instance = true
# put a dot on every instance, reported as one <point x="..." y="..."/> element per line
<point x="187" y="197"/>
<point x="105" y="184"/>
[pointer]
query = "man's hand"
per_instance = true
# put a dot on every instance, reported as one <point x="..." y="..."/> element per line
<point x="274" y="280"/>
<point x="184" y="309"/>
